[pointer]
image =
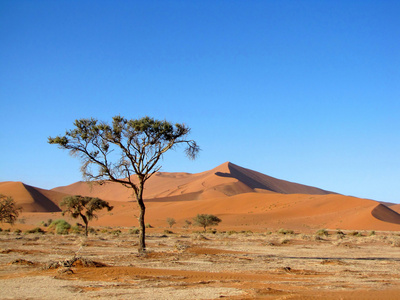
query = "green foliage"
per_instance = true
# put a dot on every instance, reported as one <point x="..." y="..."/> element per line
<point x="84" y="207"/>
<point x="140" y="143"/>
<point x="60" y="226"/>
<point x="9" y="211"/>
<point x="76" y="229"/>
<point x="206" y="220"/>
<point x="171" y="222"/>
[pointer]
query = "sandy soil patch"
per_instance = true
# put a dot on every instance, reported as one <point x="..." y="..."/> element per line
<point x="201" y="266"/>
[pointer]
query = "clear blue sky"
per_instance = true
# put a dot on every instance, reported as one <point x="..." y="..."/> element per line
<point x="306" y="91"/>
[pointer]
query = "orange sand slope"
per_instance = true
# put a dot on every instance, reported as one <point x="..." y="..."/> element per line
<point x="242" y="198"/>
<point x="225" y="180"/>
<point x="30" y="198"/>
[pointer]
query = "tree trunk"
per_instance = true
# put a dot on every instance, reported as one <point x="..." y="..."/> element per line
<point x="142" y="228"/>
<point x="86" y="224"/>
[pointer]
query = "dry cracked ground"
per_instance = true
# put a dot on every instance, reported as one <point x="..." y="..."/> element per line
<point x="188" y="265"/>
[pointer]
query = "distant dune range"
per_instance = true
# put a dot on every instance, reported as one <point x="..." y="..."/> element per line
<point x="242" y="198"/>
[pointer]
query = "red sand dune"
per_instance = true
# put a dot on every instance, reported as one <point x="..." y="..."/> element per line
<point x="30" y="198"/>
<point x="225" y="180"/>
<point x="242" y="198"/>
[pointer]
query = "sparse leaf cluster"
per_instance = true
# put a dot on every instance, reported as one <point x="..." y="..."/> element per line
<point x="206" y="220"/>
<point x="84" y="207"/>
<point x="9" y="211"/>
<point x="123" y="149"/>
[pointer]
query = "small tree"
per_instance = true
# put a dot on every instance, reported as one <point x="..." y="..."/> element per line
<point x="171" y="222"/>
<point x="123" y="149"/>
<point x="205" y="220"/>
<point x="84" y="207"/>
<point x="187" y="223"/>
<point x="9" y="212"/>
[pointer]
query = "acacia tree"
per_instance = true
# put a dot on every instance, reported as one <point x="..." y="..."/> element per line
<point x="84" y="207"/>
<point x="9" y="212"/>
<point x="123" y="149"/>
<point x="205" y="220"/>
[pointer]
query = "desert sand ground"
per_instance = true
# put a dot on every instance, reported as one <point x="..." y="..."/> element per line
<point x="187" y="264"/>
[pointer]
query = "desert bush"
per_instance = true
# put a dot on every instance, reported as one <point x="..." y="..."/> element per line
<point x="133" y="231"/>
<point x="355" y="233"/>
<point x="116" y="232"/>
<point x="230" y="232"/>
<point x="47" y="223"/>
<point x="285" y="231"/>
<point x="148" y="225"/>
<point x="60" y="226"/>
<point x="371" y="233"/>
<point x="187" y="223"/>
<point x="76" y="229"/>
<point x="171" y="222"/>
<point x="9" y="211"/>
<point x="17" y="231"/>
<point x="322" y="232"/>
<point x="168" y="231"/>
<point x="205" y="220"/>
<point x="35" y="230"/>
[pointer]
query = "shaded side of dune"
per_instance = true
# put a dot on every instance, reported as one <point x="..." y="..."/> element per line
<point x="385" y="214"/>
<point x="256" y="180"/>
<point x="42" y="203"/>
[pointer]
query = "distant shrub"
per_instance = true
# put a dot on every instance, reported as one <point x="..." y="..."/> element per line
<point x="339" y="232"/>
<point x="60" y="226"/>
<point x="230" y="232"/>
<point x="322" y="232"/>
<point x="134" y="231"/>
<point x="47" y="223"/>
<point x="116" y="232"/>
<point x="17" y="231"/>
<point x="206" y="220"/>
<point x="148" y="225"/>
<point x="285" y="231"/>
<point x="35" y="230"/>
<point x="168" y="231"/>
<point x="371" y="233"/>
<point x="76" y="229"/>
<point x="188" y="223"/>
<point x="355" y="233"/>
<point x="171" y="222"/>
<point x="212" y="230"/>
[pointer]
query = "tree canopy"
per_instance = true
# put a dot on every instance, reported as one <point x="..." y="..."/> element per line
<point x="126" y="147"/>
<point x="206" y="220"/>
<point x="84" y="207"/>
<point x="9" y="211"/>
